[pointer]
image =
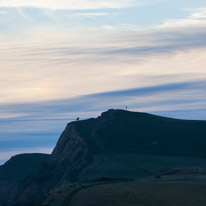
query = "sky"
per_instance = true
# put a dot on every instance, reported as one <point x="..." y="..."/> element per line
<point x="62" y="59"/>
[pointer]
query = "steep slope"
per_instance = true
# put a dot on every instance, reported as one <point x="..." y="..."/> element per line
<point x="70" y="155"/>
<point x="115" y="131"/>
<point x="16" y="169"/>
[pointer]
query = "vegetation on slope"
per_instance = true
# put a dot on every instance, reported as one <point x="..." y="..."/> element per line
<point x="123" y="131"/>
<point x="21" y="166"/>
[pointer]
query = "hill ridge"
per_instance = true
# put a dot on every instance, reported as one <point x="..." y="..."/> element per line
<point x="85" y="143"/>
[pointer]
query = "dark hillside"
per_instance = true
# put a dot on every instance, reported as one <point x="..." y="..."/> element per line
<point x="15" y="170"/>
<point x="123" y="131"/>
<point x="110" y="145"/>
<point x="21" y="166"/>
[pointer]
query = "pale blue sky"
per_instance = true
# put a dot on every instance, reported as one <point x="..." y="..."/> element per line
<point x="63" y="59"/>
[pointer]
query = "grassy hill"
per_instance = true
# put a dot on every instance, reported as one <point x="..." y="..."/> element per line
<point x="117" y="144"/>
<point x="21" y="166"/>
<point x="134" y="166"/>
<point x="123" y="131"/>
<point x="180" y="189"/>
<point x="17" y="169"/>
<point x="142" y="193"/>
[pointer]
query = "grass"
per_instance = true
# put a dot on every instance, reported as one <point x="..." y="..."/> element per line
<point x="132" y="165"/>
<point x="143" y="193"/>
<point x="123" y="131"/>
<point x="21" y="166"/>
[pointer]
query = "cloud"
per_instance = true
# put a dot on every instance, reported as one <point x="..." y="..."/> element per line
<point x="88" y="105"/>
<point x="196" y="19"/>
<point x="199" y="13"/>
<point x="93" y="14"/>
<point x="3" y="12"/>
<point x="64" y="66"/>
<point x="182" y="23"/>
<point x="70" y="4"/>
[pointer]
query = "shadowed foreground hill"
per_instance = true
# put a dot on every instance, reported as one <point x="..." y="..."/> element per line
<point x="17" y="169"/>
<point x="116" y="144"/>
<point x="21" y="166"/>
<point x="166" y="191"/>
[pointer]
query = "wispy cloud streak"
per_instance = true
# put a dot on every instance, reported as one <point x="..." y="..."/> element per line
<point x="40" y="124"/>
<point x="71" y="4"/>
